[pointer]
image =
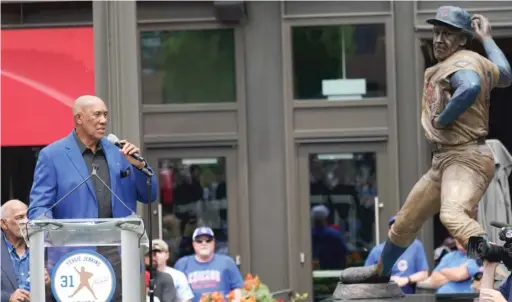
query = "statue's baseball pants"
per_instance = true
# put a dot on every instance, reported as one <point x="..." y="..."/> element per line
<point x="453" y="186"/>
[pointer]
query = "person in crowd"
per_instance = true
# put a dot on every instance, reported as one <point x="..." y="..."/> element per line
<point x="329" y="248"/>
<point x="455" y="272"/>
<point x="207" y="271"/>
<point x="186" y="247"/>
<point x="161" y="255"/>
<point x="166" y="182"/>
<point x="146" y="283"/>
<point x="445" y="248"/>
<point x="172" y="236"/>
<point x="500" y="275"/>
<point x="164" y="287"/>
<point x="488" y="293"/>
<point x="15" y="283"/>
<point x="196" y="189"/>
<point x="409" y="269"/>
<point x="64" y="164"/>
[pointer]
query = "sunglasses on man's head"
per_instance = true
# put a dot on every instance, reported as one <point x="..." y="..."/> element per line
<point x="207" y="240"/>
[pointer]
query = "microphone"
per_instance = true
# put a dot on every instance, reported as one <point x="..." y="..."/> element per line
<point x="499" y="225"/>
<point x="114" y="140"/>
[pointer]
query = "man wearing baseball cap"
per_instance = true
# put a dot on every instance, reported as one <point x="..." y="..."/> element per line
<point x="409" y="269"/>
<point x="161" y="255"/>
<point x="329" y="248"/>
<point x="146" y="283"/>
<point x="207" y="271"/>
<point x="164" y="287"/>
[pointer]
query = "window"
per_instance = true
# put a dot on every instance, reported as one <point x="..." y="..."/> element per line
<point x="339" y="62"/>
<point x="188" y="66"/>
<point x="193" y="192"/>
<point x="18" y="168"/>
<point x="342" y="189"/>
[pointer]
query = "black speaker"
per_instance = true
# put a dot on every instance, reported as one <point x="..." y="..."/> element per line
<point x="230" y="12"/>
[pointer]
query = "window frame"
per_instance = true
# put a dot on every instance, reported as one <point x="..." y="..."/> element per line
<point x="238" y="206"/>
<point x="384" y="19"/>
<point x="197" y="106"/>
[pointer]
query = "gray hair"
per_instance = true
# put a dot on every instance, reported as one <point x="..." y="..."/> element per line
<point x="6" y="207"/>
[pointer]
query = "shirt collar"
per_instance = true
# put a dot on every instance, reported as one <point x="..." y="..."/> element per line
<point x="10" y="247"/>
<point x="82" y="147"/>
<point x="9" y="244"/>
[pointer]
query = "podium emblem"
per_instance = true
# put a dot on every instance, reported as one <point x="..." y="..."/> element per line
<point x="83" y="276"/>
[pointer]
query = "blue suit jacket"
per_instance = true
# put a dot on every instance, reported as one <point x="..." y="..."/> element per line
<point x="60" y="168"/>
<point x="9" y="281"/>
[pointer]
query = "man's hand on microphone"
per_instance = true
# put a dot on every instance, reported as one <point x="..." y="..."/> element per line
<point x="129" y="149"/>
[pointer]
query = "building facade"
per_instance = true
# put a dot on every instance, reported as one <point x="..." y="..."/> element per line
<point x="249" y="108"/>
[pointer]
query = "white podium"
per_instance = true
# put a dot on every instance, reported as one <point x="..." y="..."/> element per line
<point x="128" y="233"/>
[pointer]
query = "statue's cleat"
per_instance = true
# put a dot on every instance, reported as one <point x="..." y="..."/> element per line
<point x="362" y="274"/>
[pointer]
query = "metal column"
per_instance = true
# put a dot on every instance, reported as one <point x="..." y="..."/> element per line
<point x="130" y="265"/>
<point x="37" y="286"/>
<point x="116" y="63"/>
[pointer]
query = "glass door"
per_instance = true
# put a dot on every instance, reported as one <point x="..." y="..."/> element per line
<point x="342" y="193"/>
<point x="196" y="187"/>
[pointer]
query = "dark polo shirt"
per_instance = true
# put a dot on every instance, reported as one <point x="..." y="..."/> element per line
<point x="103" y="196"/>
<point x="99" y="160"/>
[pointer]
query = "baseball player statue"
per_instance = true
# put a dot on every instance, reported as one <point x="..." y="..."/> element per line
<point x="455" y="117"/>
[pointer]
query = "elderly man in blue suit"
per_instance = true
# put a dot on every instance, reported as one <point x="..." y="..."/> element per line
<point x="64" y="164"/>
<point x="14" y="253"/>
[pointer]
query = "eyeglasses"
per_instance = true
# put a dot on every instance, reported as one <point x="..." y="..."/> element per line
<point x="203" y="240"/>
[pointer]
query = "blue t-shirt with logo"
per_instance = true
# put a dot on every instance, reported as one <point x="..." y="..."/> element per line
<point x="217" y="275"/>
<point x="452" y="260"/>
<point x="413" y="260"/>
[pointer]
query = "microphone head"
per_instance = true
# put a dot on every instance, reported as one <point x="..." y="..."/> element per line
<point x="113" y="139"/>
<point x="498" y="225"/>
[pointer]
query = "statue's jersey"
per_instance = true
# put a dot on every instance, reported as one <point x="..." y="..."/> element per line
<point x="437" y="92"/>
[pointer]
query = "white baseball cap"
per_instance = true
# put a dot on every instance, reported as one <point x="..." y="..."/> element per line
<point x="319" y="212"/>
<point x="202" y="231"/>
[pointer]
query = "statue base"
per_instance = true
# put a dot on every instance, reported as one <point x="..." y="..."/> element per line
<point x="381" y="291"/>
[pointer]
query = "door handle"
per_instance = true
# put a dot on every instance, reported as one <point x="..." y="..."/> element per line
<point x="160" y="222"/>
<point x="378" y="205"/>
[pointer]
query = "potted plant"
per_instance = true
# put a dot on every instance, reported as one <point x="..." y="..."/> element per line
<point x="253" y="291"/>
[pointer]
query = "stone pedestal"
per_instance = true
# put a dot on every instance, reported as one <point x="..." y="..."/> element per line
<point x="374" y="292"/>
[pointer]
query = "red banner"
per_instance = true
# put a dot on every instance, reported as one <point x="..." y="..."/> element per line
<point x="43" y="72"/>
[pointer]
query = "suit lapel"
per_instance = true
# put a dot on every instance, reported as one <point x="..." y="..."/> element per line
<point x="73" y="153"/>
<point x="7" y="267"/>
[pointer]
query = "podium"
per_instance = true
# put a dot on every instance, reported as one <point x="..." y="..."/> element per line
<point x="72" y="234"/>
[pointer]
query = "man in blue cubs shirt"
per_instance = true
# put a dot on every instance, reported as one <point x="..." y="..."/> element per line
<point x="454" y="274"/>
<point x="208" y="272"/>
<point x="409" y="269"/>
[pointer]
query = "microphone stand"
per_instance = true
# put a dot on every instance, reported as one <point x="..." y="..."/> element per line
<point x="150" y="237"/>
